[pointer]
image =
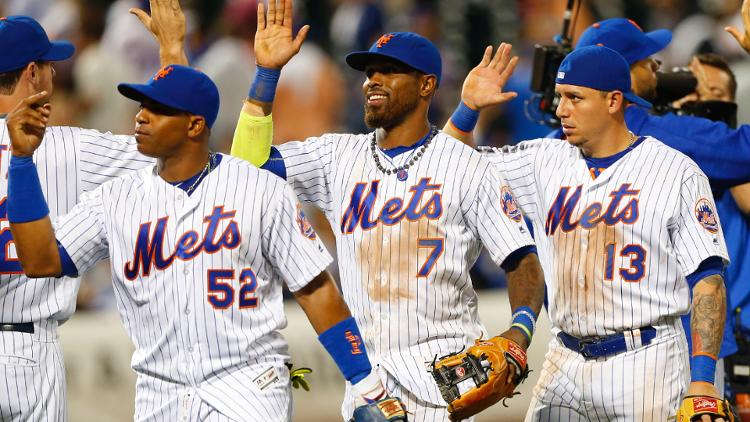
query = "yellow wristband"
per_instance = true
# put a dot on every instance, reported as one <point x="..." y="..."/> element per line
<point x="252" y="138"/>
<point x="523" y="328"/>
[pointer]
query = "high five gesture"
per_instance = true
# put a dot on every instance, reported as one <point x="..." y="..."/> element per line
<point x="274" y="44"/>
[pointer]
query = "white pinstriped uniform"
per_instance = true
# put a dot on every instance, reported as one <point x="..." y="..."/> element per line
<point x="624" y="270"/>
<point x="405" y="260"/>
<point x="70" y="161"/>
<point x="205" y="309"/>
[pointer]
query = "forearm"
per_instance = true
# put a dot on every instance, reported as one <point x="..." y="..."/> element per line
<point x="36" y="247"/>
<point x="173" y="54"/>
<point x="526" y="295"/>
<point x="708" y="315"/>
<point x="254" y="133"/>
<point x="526" y="284"/>
<point x="30" y="224"/>
<point x="322" y="303"/>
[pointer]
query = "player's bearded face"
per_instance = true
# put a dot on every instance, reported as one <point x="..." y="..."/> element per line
<point x="391" y="94"/>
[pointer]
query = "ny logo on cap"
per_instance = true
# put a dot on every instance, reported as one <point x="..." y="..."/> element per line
<point x="163" y="72"/>
<point x="383" y="40"/>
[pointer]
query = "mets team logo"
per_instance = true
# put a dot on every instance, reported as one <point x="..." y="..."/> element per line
<point x="163" y="72"/>
<point x="706" y="215"/>
<point x="304" y="226"/>
<point x="510" y="207"/>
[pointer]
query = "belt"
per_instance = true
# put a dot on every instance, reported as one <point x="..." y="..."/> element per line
<point x="24" y="327"/>
<point x="591" y="348"/>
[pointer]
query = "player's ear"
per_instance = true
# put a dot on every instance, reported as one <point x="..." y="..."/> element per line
<point x="428" y="85"/>
<point x="196" y="126"/>
<point x="615" y="102"/>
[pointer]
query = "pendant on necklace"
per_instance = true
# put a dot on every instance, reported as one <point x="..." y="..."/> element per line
<point x="402" y="175"/>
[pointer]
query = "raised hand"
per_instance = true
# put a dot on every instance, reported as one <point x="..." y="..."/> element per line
<point x="743" y="38"/>
<point x="274" y="44"/>
<point x="27" y="123"/>
<point x="483" y="86"/>
<point x="167" y="25"/>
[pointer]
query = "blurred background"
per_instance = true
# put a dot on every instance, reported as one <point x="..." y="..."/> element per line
<point x="318" y="93"/>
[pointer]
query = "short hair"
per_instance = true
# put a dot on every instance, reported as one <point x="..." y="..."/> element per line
<point x="8" y="80"/>
<point x="717" y="61"/>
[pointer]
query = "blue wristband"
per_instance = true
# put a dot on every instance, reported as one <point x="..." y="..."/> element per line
<point x="263" y="88"/>
<point x="25" y="198"/>
<point x="524" y="320"/>
<point x="464" y="118"/>
<point x="702" y="369"/>
<point x="344" y="343"/>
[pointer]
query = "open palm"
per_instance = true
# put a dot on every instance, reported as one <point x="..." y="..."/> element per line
<point x="483" y="86"/>
<point x="274" y="44"/>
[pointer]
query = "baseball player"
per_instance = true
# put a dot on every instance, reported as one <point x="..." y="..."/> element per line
<point x="197" y="262"/>
<point x="71" y="161"/>
<point x="411" y="208"/>
<point x="626" y="229"/>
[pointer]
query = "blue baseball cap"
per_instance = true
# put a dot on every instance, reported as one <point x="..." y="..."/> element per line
<point x="599" y="68"/>
<point x="625" y="37"/>
<point x="181" y="88"/>
<point x="23" y="40"/>
<point x="408" y="48"/>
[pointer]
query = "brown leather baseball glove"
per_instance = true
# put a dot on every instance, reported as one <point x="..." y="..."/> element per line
<point x="694" y="407"/>
<point x="486" y="373"/>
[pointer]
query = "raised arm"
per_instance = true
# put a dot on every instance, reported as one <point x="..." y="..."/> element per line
<point x="483" y="87"/>
<point x="28" y="213"/>
<point x="167" y="25"/>
<point x="274" y="47"/>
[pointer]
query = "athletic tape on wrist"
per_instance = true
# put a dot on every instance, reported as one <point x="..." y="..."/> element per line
<point x="344" y="343"/>
<point x="702" y="368"/>
<point x="263" y="88"/>
<point x="464" y="118"/>
<point x="25" y="198"/>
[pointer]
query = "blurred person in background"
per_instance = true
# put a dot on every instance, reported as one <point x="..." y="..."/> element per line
<point x="219" y="43"/>
<point x="97" y="70"/>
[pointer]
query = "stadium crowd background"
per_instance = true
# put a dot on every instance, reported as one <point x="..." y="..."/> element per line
<point x="318" y="93"/>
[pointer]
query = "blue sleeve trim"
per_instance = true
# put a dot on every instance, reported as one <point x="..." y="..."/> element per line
<point x="275" y="163"/>
<point x="25" y="198"/>
<point x="515" y="257"/>
<point x="68" y="266"/>
<point x="344" y="343"/>
<point x="710" y="266"/>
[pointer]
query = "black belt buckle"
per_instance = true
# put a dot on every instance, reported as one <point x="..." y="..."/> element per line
<point x="24" y="327"/>
<point x="583" y="349"/>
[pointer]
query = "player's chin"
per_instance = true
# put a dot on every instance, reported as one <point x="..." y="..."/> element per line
<point x="144" y="148"/>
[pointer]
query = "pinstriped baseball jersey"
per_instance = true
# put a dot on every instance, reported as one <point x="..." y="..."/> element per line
<point x="405" y="247"/>
<point x="198" y="280"/>
<point x="615" y="249"/>
<point x="69" y="161"/>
